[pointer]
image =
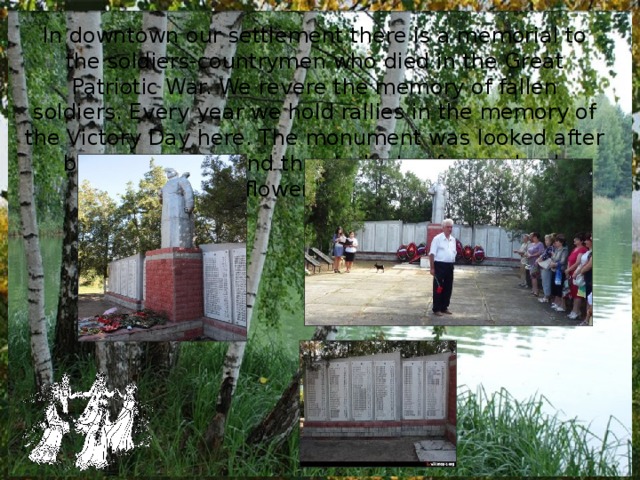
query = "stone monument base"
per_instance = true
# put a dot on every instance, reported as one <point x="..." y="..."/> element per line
<point x="433" y="229"/>
<point x="223" y="331"/>
<point x="123" y="301"/>
<point x="173" y="283"/>
<point x="402" y="428"/>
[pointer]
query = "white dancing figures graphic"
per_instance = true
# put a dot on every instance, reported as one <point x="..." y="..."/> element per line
<point x="119" y="435"/>
<point x="94" y="422"/>
<point x="54" y="428"/>
<point x="102" y="437"/>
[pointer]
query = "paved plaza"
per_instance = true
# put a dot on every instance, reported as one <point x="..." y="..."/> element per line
<point x="392" y="451"/>
<point x="402" y="295"/>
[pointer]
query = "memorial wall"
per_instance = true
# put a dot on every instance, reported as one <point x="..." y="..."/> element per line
<point x="125" y="285"/>
<point x="377" y="395"/>
<point x="386" y="236"/>
<point x="225" y="282"/>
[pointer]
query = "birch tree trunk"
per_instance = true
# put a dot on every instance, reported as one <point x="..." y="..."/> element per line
<point x="276" y="427"/>
<point x="235" y="353"/>
<point x="212" y="78"/>
<point x="66" y="336"/>
<point x="40" y="354"/>
<point x="398" y="22"/>
<point x="124" y="362"/>
<point x="279" y="423"/>
<point x="150" y="124"/>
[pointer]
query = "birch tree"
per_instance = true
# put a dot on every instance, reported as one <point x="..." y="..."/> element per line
<point x="66" y="344"/>
<point x="398" y="23"/>
<point x="211" y="97"/>
<point x="123" y="361"/>
<point x="235" y="353"/>
<point x="40" y="354"/>
<point x="150" y="124"/>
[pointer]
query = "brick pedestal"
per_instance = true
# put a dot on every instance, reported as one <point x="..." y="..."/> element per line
<point x="433" y="229"/>
<point x="174" y="283"/>
<point x="452" y="418"/>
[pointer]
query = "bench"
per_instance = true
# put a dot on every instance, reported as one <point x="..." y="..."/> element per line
<point x="324" y="257"/>
<point x="310" y="261"/>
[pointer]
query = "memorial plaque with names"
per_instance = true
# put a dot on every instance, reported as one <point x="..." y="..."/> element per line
<point x="384" y="374"/>
<point x="315" y="393"/>
<point x="131" y="281"/>
<point x="217" y="287"/>
<point x="393" y="237"/>
<point x="368" y="239"/>
<point x="114" y="277"/>
<point x="412" y="390"/>
<point x="124" y="277"/>
<point x="239" y="259"/>
<point x="380" y="237"/>
<point x="436" y="375"/>
<point x="339" y="391"/>
<point x="361" y="390"/>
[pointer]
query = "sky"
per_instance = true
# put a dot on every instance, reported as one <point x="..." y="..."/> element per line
<point x="426" y="169"/>
<point x="112" y="172"/>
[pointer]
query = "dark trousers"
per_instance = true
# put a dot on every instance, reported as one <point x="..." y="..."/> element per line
<point x="444" y="276"/>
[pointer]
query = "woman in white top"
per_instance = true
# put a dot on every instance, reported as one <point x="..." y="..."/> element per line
<point x="350" y="247"/>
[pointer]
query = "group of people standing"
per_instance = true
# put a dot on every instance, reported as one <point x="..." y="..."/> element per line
<point x="346" y="247"/>
<point x="566" y="276"/>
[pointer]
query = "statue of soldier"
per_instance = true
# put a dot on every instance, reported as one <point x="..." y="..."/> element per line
<point x="440" y="198"/>
<point x="177" y="211"/>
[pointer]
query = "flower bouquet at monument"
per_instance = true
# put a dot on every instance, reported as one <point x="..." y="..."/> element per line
<point x="146" y="318"/>
<point x="110" y="321"/>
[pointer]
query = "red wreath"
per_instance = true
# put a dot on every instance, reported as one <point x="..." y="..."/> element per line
<point x="402" y="253"/>
<point x="468" y="253"/>
<point x="459" y="250"/>
<point x="412" y="249"/>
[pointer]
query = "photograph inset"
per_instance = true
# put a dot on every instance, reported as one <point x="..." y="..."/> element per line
<point x="448" y="242"/>
<point x="378" y="403"/>
<point x="161" y="247"/>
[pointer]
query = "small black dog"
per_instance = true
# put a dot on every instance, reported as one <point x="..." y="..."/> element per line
<point x="379" y="267"/>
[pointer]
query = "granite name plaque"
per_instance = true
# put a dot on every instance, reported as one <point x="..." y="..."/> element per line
<point x="224" y="269"/>
<point x="126" y="276"/>
<point x="315" y="393"/>
<point x="412" y="390"/>
<point x="339" y="391"/>
<point x="436" y="375"/>
<point x="361" y="390"/>
<point x="217" y="285"/>
<point x="384" y="373"/>
<point x="239" y="259"/>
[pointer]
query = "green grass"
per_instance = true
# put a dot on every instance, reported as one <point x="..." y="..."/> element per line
<point x="497" y="434"/>
<point x="178" y="408"/>
<point x="91" y="285"/>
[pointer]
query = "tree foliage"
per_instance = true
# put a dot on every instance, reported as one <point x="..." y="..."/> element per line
<point x="223" y="204"/>
<point x="560" y="197"/>
<point x="97" y="230"/>
<point x="314" y="351"/>
<point x="140" y="214"/>
<point x="117" y="228"/>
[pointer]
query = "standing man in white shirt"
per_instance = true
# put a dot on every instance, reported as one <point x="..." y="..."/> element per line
<point x="442" y="256"/>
